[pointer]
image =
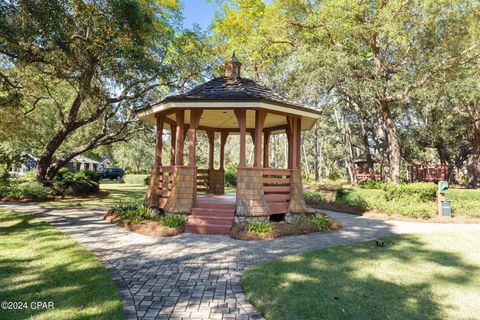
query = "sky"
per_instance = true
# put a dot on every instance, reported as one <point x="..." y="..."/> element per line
<point x="201" y="12"/>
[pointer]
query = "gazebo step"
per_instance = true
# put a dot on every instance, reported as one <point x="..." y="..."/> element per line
<point x="210" y="220"/>
<point x="206" y="212"/>
<point x="208" y="228"/>
<point x="216" y="205"/>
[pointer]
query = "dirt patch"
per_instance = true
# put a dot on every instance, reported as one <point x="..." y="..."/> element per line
<point x="147" y="227"/>
<point x="282" y="229"/>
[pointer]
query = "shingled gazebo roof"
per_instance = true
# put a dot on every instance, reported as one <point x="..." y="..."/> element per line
<point x="225" y="88"/>
<point x="229" y="92"/>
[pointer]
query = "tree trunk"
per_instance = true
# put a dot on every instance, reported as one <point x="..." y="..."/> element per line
<point x="315" y="153"/>
<point x="366" y="145"/>
<point x="393" y="145"/>
<point x="474" y="167"/>
<point x="45" y="160"/>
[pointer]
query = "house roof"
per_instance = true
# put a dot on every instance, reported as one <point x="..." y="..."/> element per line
<point x="84" y="160"/>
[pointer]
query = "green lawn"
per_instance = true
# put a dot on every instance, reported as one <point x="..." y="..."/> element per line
<point x="39" y="263"/>
<point x="434" y="276"/>
<point x="117" y="192"/>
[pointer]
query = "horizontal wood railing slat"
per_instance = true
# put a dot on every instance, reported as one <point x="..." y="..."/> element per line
<point x="276" y="180"/>
<point x="274" y="189"/>
<point x="276" y="208"/>
<point x="276" y="197"/>
<point x="275" y="172"/>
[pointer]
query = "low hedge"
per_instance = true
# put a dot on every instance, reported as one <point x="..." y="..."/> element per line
<point x="75" y="188"/>
<point x="415" y="200"/>
<point x="31" y="190"/>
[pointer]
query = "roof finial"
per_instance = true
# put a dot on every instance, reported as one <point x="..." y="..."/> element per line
<point x="232" y="67"/>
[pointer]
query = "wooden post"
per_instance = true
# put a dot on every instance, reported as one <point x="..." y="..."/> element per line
<point x="180" y="115"/>
<point x="260" y="117"/>
<point x="289" y="132"/>
<point x="211" y="149"/>
<point x="266" y="144"/>
<point x="159" y="141"/>
<point x="158" y="155"/>
<point x="299" y="144"/>
<point x="173" y="141"/>
<point x="223" y="140"/>
<point x="194" y="121"/>
<point x="241" y="116"/>
<point x="294" y="143"/>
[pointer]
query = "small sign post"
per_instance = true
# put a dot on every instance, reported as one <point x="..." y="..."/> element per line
<point x="444" y="206"/>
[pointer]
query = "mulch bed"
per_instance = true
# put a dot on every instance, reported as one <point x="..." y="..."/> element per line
<point x="282" y="229"/>
<point x="147" y="227"/>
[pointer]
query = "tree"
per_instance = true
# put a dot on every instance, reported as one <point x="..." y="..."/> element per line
<point x="382" y="51"/>
<point x="89" y="64"/>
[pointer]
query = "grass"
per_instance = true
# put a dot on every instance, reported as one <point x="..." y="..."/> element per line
<point x="465" y="202"/>
<point x="117" y="193"/>
<point x="39" y="263"/>
<point x="431" y="276"/>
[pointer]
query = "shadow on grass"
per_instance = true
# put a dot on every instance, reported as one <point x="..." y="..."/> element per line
<point x="38" y="263"/>
<point x="405" y="280"/>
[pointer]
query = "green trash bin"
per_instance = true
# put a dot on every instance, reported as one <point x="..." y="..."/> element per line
<point x="446" y="208"/>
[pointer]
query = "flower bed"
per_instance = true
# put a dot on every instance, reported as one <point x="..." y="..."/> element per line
<point x="266" y="230"/>
<point x="134" y="217"/>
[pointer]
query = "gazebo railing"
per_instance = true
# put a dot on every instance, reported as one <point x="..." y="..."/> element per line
<point x="276" y="188"/>
<point x="164" y="184"/>
<point x="203" y="180"/>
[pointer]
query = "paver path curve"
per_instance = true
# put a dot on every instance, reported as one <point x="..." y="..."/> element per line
<point x="194" y="276"/>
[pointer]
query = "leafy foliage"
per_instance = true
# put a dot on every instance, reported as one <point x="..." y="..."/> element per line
<point x="30" y="190"/>
<point x="231" y="176"/>
<point x="320" y="222"/>
<point x="173" y="220"/>
<point x="260" y="227"/>
<point x="132" y="211"/>
<point x="313" y="198"/>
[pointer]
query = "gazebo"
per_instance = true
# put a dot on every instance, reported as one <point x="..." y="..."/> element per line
<point x="228" y="105"/>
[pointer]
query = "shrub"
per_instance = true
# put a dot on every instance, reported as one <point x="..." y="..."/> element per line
<point x="422" y="190"/>
<point x="322" y="223"/>
<point x="147" y="179"/>
<point x="327" y="184"/>
<point x="87" y="175"/>
<point x="174" y="220"/>
<point x="30" y="175"/>
<point x="301" y="225"/>
<point x="74" y="187"/>
<point x="65" y="174"/>
<point x="260" y="227"/>
<point x="32" y="190"/>
<point x="132" y="211"/>
<point x="313" y="198"/>
<point x="4" y="174"/>
<point x="231" y="176"/>
<point x="371" y="184"/>
<point x="136" y="179"/>
<point x="335" y="175"/>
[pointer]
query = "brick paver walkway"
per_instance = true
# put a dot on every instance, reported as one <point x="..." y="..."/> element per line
<point x="197" y="276"/>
